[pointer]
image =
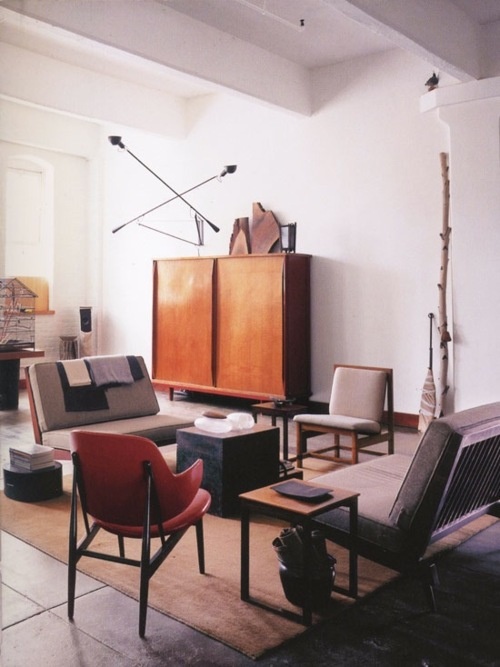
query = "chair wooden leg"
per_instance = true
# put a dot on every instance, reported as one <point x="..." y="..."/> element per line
<point x="121" y="546"/>
<point x="144" y="582"/>
<point x="201" y="546"/>
<point x="337" y="444"/>
<point x="354" y="449"/>
<point x="72" y="552"/>
<point x="300" y="443"/>
<point x="71" y="586"/>
<point x="143" y="600"/>
<point x="145" y="566"/>
<point x="390" y="445"/>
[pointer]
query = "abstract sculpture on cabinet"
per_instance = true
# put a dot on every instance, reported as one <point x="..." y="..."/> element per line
<point x="261" y="236"/>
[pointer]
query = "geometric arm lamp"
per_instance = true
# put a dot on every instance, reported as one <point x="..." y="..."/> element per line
<point x="200" y="219"/>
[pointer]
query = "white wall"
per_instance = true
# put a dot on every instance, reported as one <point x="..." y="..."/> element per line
<point x="361" y="177"/>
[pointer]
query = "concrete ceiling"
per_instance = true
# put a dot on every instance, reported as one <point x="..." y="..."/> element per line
<point x="263" y="48"/>
<point x="326" y="37"/>
<point x="330" y="33"/>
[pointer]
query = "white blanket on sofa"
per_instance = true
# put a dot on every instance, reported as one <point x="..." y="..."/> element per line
<point x="77" y="373"/>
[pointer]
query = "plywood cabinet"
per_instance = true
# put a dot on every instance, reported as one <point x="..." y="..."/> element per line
<point x="234" y="325"/>
<point x="183" y="321"/>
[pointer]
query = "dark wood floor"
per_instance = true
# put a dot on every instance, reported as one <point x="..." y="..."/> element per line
<point x="392" y="627"/>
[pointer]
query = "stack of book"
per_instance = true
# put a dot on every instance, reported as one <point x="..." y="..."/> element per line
<point x="31" y="457"/>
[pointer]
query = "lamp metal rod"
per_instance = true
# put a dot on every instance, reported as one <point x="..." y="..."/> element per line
<point x="138" y="217"/>
<point x="160" y="231"/>
<point x="177" y="194"/>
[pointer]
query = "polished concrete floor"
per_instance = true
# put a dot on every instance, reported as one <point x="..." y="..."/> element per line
<point x="391" y="627"/>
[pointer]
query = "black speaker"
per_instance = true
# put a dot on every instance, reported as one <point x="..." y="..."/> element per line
<point x="85" y="319"/>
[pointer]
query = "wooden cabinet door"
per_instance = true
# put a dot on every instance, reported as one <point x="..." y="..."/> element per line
<point x="183" y="321"/>
<point x="297" y="326"/>
<point x="249" y="334"/>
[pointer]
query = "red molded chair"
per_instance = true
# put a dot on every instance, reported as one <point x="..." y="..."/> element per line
<point x="126" y="488"/>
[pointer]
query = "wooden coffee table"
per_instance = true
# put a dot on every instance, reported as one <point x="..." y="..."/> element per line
<point x="271" y="503"/>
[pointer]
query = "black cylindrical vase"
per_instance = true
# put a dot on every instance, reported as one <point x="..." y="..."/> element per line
<point x="293" y="582"/>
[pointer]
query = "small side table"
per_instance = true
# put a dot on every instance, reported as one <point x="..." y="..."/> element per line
<point x="270" y="503"/>
<point x="286" y="412"/>
<point x="33" y="486"/>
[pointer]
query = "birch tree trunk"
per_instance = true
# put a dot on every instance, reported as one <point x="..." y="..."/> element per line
<point x="444" y="334"/>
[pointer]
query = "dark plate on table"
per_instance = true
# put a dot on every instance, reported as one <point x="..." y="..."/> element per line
<point x="300" y="491"/>
<point x="280" y="403"/>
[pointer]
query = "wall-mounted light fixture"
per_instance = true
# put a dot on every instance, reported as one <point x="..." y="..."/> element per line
<point x="199" y="218"/>
<point x="288" y="236"/>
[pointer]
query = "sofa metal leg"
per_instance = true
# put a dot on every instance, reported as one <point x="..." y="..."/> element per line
<point x="431" y="582"/>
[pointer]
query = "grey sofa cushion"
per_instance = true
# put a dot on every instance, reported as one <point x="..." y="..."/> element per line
<point x="340" y="421"/>
<point x="161" y="429"/>
<point x="377" y="481"/>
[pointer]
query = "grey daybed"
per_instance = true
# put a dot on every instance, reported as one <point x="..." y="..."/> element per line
<point x="407" y="503"/>
<point x="119" y="407"/>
